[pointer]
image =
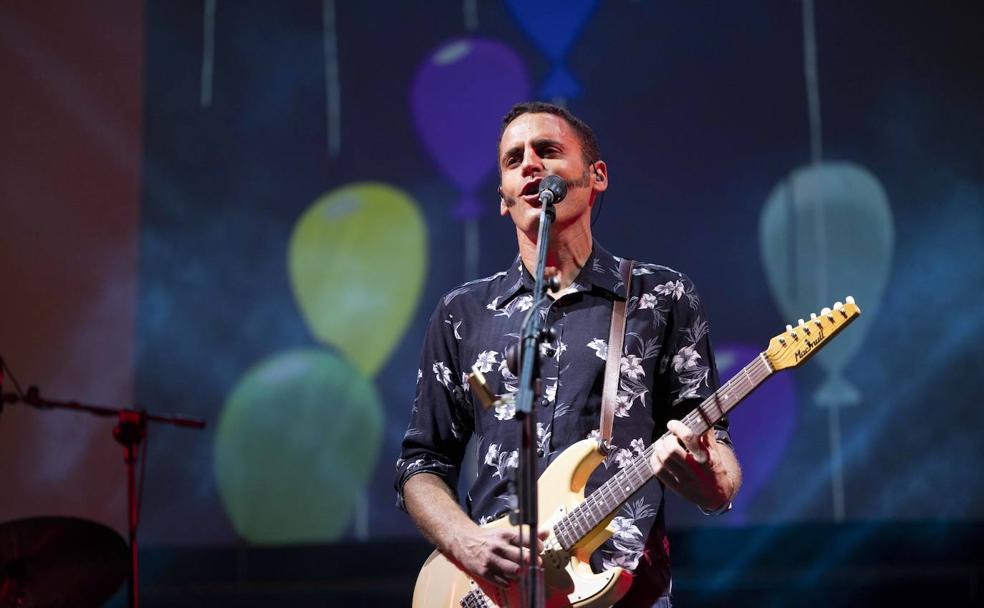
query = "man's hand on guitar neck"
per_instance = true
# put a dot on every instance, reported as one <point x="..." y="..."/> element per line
<point x="699" y="468"/>
<point x="494" y="554"/>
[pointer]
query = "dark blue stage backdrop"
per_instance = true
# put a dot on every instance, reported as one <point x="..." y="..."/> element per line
<point x="310" y="176"/>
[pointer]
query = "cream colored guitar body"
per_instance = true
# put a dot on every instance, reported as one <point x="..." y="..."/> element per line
<point x="569" y="580"/>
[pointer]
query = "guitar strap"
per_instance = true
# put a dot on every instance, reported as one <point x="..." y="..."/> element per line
<point x="616" y="335"/>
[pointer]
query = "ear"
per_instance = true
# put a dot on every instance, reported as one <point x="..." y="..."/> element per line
<point x="599" y="175"/>
<point x="503" y="208"/>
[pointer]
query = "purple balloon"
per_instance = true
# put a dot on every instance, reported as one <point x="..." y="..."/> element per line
<point x="761" y="427"/>
<point x="458" y="99"/>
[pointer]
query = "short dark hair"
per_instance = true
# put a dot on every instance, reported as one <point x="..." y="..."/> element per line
<point x="589" y="145"/>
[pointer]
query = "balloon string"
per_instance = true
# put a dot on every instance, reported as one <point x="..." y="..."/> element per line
<point x="820" y="227"/>
<point x="333" y="94"/>
<point x="812" y="81"/>
<point x="208" y="52"/>
<point x="470" y="10"/>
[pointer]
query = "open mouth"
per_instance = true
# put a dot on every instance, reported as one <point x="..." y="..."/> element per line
<point x="531" y="191"/>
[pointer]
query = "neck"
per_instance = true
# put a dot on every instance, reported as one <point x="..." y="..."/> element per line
<point x="569" y="249"/>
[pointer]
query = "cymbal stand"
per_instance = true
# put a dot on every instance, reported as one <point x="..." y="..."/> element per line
<point x="130" y="430"/>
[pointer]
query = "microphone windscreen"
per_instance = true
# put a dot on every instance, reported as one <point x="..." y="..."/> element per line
<point x="556" y="185"/>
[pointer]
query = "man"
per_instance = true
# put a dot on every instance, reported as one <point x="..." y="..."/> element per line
<point x="667" y="368"/>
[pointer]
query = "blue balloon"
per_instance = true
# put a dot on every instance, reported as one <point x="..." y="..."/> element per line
<point x="553" y="25"/>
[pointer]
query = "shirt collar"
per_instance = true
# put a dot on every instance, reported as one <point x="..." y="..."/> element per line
<point x="599" y="271"/>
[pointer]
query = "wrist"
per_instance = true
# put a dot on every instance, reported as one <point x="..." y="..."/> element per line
<point x="724" y="486"/>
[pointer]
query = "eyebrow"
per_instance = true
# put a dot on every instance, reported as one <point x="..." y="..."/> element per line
<point x="536" y="143"/>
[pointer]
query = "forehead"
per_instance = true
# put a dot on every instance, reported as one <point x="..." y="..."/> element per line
<point x="537" y="126"/>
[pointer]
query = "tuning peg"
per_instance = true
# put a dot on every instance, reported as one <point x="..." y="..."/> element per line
<point x="816" y="321"/>
<point x="792" y="334"/>
<point x="849" y="299"/>
<point x="789" y="328"/>
<point x="826" y="312"/>
<point x="800" y="323"/>
<point x="838" y="305"/>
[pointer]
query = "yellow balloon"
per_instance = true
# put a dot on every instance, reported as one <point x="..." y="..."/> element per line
<point x="356" y="260"/>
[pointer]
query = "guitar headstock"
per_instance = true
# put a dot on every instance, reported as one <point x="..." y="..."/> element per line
<point x="797" y="344"/>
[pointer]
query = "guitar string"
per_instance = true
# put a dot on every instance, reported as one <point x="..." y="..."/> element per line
<point x="742" y="382"/>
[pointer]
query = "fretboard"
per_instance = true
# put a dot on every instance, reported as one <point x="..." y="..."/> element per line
<point x="604" y="501"/>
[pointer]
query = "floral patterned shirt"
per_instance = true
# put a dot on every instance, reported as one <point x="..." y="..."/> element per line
<point x="667" y="368"/>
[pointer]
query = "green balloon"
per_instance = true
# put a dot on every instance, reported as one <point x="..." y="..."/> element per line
<point x="297" y="440"/>
<point x="356" y="259"/>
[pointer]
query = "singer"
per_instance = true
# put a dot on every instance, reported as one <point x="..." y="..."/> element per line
<point x="666" y="369"/>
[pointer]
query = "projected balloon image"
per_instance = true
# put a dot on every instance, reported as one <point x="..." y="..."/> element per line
<point x="566" y="19"/>
<point x="300" y="433"/>
<point x="459" y="96"/>
<point x="356" y="261"/>
<point x="826" y="231"/>
<point x="298" y="437"/>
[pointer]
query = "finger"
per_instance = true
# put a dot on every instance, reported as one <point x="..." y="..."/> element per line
<point x="503" y="571"/>
<point x="498" y="580"/>
<point x="691" y="442"/>
<point x="509" y="552"/>
<point x="681" y="471"/>
<point x="684" y="433"/>
<point x="661" y="469"/>
<point x="522" y="542"/>
<point x="520" y="536"/>
<point x="669" y="449"/>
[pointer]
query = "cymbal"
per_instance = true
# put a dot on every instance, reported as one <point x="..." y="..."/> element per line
<point x="56" y="562"/>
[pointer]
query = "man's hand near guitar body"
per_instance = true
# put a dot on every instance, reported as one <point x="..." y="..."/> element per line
<point x="700" y="469"/>
<point x="492" y="554"/>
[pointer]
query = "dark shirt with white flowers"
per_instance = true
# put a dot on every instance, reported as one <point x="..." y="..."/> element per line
<point x="667" y="368"/>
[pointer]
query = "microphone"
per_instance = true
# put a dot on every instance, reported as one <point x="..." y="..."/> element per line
<point x="553" y="189"/>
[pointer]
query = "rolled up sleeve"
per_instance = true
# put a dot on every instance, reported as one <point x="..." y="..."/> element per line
<point x="441" y="421"/>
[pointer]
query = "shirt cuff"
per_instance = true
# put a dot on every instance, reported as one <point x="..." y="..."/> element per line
<point x="407" y="468"/>
<point x="722" y="509"/>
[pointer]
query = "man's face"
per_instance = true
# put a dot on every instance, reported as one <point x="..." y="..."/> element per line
<point x="532" y="147"/>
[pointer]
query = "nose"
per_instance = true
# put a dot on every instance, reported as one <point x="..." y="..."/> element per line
<point x="532" y="163"/>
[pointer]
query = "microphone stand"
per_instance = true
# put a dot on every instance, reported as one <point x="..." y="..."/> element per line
<point x="533" y="334"/>
<point x="130" y="430"/>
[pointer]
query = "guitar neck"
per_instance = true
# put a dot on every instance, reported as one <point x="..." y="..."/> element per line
<point x="604" y="501"/>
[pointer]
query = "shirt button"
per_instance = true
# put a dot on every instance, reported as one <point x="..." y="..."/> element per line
<point x="539" y="452"/>
<point x="544" y="401"/>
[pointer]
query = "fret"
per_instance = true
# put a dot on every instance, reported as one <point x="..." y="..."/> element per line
<point x="601" y="503"/>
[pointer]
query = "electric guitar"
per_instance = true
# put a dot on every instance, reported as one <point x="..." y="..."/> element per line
<point x="578" y="525"/>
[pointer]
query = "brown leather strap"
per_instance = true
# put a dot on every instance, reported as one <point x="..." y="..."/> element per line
<point x="609" y="394"/>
